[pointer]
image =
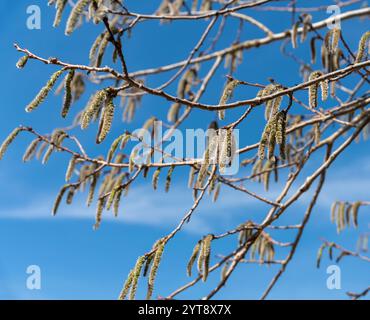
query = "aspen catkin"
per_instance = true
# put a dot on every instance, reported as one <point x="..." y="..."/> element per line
<point x="154" y="269"/>
<point x="68" y="93"/>
<point x="44" y="92"/>
<point x="362" y="47"/>
<point x="75" y="15"/>
<point x="108" y="114"/>
<point x="8" y="141"/>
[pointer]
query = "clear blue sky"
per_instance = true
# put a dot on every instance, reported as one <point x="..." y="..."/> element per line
<point x="78" y="263"/>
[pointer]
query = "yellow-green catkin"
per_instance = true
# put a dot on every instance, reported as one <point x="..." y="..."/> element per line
<point x="95" y="47"/>
<point x="226" y="95"/>
<point x="155" y="178"/>
<point x="114" y="147"/>
<point x="99" y="211"/>
<point x="117" y="186"/>
<point x="362" y="47"/>
<point x="90" y="196"/>
<point x="71" y="168"/>
<point x="117" y="201"/>
<point x="44" y="91"/>
<point x="312" y="89"/>
<point x="68" y="93"/>
<point x="192" y="259"/>
<point x="103" y="46"/>
<point x="281" y="133"/>
<point x="60" y="5"/>
<point x="59" y="199"/>
<point x="135" y="277"/>
<point x="31" y="150"/>
<point x="75" y="15"/>
<point x="169" y="178"/>
<point x="154" y="269"/>
<point x="8" y="141"/>
<point x="355" y="208"/>
<point x="108" y="114"/>
<point x="93" y="107"/>
<point x="22" y="62"/>
<point x="126" y="286"/>
<point x="206" y="252"/>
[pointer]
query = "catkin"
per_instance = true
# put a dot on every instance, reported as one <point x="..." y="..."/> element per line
<point x="135" y="276"/>
<point x="30" y="151"/>
<point x="226" y="95"/>
<point x="75" y="15"/>
<point x="206" y="252"/>
<point x="168" y="178"/>
<point x="60" y="5"/>
<point x="312" y="89"/>
<point x="155" y="178"/>
<point x="95" y="47"/>
<point x="99" y="211"/>
<point x="107" y="116"/>
<point x="293" y="35"/>
<point x="71" y="168"/>
<point x="154" y="269"/>
<point x="90" y="196"/>
<point x="44" y="91"/>
<point x="355" y="207"/>
<point x="8" y="141"/>
<point x="92" y="108"/>
<point x="362" y="47"/>
<point x="191" y="177"/>
<point x="217" y="192"/>
<point x="68" y="93"/>
<point x="22" y="62"/>
<point x="59" y="199"/>
<point x="114" y="147"/>
<point x="192" y="259"/>
<point x="126" y="286"/>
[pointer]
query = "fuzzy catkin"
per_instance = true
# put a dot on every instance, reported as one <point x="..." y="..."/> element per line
<point x="60" y="5"/>
<point x="68" y="93"/>
<point x="95" y="47"/>
<point x="362" y="46"/>
<point x="31" y="150"/>
<point x="90" y="196"/>
<point x="22" y="62"/>
<point x="59" y="199"/>
<point x="155" y="178"/>
<point x="312" y="89"/>
<point x="92" y="108"/>
<point x="154" y="269"/>
<point x="44" y="91"/>
<point x="71" y="168"/>
<point x="192" y="259"/>
<point x="126" y="286"/>
<point x="99" y="211"/>
<point x="206" y="251"/>
<point x="8" y="141"/>
<point x="168" y="178"/>
<point x="108" y="114"/>
<point x="226" y="95"/>
<point x="135" y="276"/>
<point x="75" y="15"/>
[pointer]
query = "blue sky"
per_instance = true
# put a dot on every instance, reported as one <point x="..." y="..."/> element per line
<point x="79" y="263"/>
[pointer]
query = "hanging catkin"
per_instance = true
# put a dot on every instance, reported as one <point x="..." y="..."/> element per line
<point x="362" y="47"/>
<point x="168" y="178"/>
<point x="8" y="141"/>
<point x="60" y="5"/>
<point x="22" y="62"/>
<point x="31" y="150"/>
<point x="68" y="93"/>
<point x="44" y="91"/>
<point x="107" y="118"/>
<point x="312" y="89"/>
<point x="99" y="211"/>
<point x="206" y="253"/>
<point x="59" y="199"/>
<point x="193" y="257"/>
<point x="92" y="108"/>
<point x="126" y="286"/>
<point x="75" y="15"/>
<point x="154" y="269"/>
<point x="226" y="95"/>
<point x="135" y="276"/>
<point x="71" y="168"/>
